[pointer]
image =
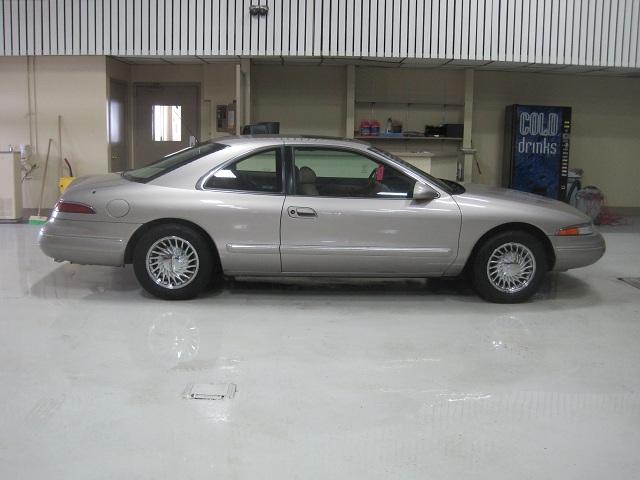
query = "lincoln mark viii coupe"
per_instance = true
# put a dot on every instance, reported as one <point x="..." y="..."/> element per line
<point x="303" y="206"/>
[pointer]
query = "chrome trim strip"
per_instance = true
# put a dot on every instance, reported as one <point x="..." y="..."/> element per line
<point x="91" y="237"/>
<point x="237" y="248"/>
<point x="365" y="251"/>
<point x="568" y="249"/>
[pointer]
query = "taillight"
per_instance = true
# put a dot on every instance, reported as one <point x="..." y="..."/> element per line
<point x="73" y="207"/>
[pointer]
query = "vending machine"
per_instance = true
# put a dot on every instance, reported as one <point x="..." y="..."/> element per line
<point x="536" y="153"/>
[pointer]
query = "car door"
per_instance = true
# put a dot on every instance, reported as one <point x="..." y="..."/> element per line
<point x="352" y="214"/>
<point x="244" y="200"/>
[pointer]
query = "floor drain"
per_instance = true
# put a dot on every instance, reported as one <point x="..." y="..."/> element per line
<point x="209" y="391"/>
<point x="633" y="281"/>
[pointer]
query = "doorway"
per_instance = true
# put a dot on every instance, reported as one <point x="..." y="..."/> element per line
<point x="118" y="126"/>
<point x="166" y="119"/>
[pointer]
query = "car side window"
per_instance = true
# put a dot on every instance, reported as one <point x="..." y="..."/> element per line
<point x="260" y="172"/>
<point x="341" y="173"/>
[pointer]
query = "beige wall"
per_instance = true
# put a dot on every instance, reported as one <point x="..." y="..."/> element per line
<point x="605" y="136"/>
<point x="416" y="97"/>
<point x="312" y="99"/>
<point x="118" y="70"/>
<point x="606" y="114"/>
<point x="304" y="99"/>
<point x="73" y="87"/>
<point x="410" y="85"/>
<point x="14" y="114"/>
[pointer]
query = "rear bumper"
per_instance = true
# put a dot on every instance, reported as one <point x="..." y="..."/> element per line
<point x="89" y="243"/>
<point x="578" y="251"/>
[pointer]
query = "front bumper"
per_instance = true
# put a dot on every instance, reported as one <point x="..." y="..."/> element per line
<point x="88" y="243"/>
<point x="577" y="251"/>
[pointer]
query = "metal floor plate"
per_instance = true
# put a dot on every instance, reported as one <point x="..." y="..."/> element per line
<point x="209" y="391"/>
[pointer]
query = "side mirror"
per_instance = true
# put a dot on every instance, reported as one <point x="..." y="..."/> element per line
<point x="422" y="191"/>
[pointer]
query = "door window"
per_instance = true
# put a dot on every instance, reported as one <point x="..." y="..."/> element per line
<point x="260" y="172"/>
<point x="340" y="173"/>
<point x="167" y="123"/>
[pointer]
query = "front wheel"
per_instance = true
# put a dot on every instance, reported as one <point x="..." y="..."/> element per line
<point x="509" y="267"/>
<point x="173" y="262"/>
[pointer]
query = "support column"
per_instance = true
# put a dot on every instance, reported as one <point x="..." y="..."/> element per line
<point x="243" y="94"/>
<point x="239" y="100"/>
<point x="245" y="66"/>
<point x="351" y="101"/>
<point x="468" y="152"/>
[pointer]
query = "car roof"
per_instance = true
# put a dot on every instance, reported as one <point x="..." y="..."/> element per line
<point x="292" y="139"/>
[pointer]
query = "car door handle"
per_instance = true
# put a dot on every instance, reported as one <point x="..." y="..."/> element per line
<point x="305" y="212"/>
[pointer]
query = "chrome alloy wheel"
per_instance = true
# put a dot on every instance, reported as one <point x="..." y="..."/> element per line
<point x="511" y="267"/>
<point x="172" y="262"/>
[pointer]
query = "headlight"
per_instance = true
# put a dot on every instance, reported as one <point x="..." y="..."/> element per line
<point x="582" y="229"/>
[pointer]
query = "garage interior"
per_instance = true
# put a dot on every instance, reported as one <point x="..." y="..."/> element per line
<point x="301" y="378"/>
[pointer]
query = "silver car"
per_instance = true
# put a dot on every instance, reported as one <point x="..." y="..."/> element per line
<point x="305" y="206"/>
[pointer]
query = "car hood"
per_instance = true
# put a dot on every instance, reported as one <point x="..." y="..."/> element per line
<point x="519" y="206"/>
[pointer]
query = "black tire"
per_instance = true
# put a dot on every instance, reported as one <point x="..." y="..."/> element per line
<point x="490" y="290"/>
<point x="192" y="241"/>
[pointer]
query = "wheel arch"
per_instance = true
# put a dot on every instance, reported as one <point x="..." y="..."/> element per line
<point x="523" y="227"/>
<point x="128" y="253"/>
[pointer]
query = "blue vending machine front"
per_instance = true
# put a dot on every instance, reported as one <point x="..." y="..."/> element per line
<point x="537" y="149"/>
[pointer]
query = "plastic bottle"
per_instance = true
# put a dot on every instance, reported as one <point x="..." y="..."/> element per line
<point x="375" y="128"/>
<point x="365" y="128"/>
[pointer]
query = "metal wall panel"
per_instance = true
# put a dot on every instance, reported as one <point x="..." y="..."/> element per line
<point x="486" y="32"/>
<point x="366" y="33"/>
<point x="579" y="32"/>
<point x="634" y="51"/>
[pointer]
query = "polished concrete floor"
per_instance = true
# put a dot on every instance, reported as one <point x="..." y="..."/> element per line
<point x="402" y="380"/>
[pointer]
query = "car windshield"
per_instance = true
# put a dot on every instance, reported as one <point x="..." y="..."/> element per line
<point x="171" y="162"/>
<point x="447" y="186"/>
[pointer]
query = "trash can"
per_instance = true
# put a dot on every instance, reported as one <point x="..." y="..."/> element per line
<point x="590" y="200"/>
<point x="574" y="184"/>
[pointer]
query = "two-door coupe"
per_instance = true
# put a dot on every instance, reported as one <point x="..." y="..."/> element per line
<point x="306" y="206"/>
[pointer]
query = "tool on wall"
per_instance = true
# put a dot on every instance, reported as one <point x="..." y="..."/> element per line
<point x="60" y="145"/>
<point x="63" y="181"/>
<point x="25" y="160"/>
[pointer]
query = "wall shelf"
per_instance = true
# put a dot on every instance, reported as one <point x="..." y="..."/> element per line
<point x="425" y="104"/>
<point x="448" y="104"/>
<point x="425" y="155"/>
<point x="424" y="139"/>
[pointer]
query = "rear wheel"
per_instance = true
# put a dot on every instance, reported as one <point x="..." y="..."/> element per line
<point x="509" y="267"/>
<point x="173" y="262"/>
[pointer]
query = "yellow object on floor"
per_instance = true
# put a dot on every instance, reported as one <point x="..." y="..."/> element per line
<point x="64" y="182"/>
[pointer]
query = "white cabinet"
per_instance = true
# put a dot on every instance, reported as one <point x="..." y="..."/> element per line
<point x="10" y="187"/>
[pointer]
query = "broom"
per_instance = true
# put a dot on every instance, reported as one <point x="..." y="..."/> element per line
<point x="37" y="219"/>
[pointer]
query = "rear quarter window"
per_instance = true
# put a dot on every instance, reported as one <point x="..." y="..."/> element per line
<point x="259" y="172"/>
<point x="171" y="162"/>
